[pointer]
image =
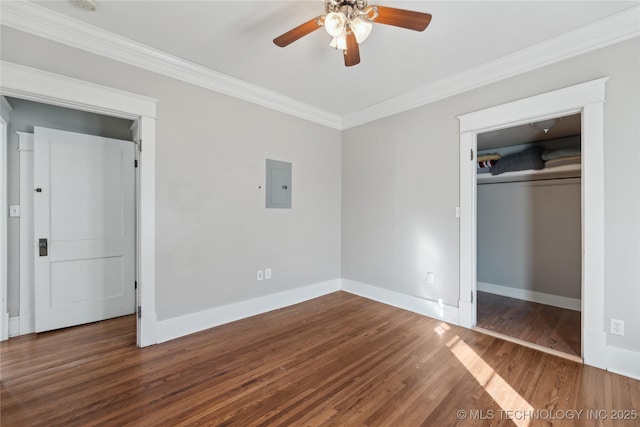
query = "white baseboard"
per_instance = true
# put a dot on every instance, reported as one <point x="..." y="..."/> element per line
<point x="14" y="326"/>
<point x="623" y="362"/>
<point x="532" y="296"/>
<point x="190" y="323"/>
<point x="407" y="302"/>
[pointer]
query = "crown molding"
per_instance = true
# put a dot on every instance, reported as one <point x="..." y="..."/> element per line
<point x="605" y="32"/>
<point x="42" y="22"/>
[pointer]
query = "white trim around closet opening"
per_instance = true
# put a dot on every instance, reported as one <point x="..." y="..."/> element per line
<point x="41" y="86"/>
<point x="5" y="112"/>
<point x="588" y="99"/>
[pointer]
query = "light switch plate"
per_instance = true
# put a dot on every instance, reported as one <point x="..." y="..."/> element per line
<point x="14" y="211"/>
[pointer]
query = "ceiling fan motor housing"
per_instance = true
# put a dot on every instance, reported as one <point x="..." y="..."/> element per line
<point x="350" y="8"/>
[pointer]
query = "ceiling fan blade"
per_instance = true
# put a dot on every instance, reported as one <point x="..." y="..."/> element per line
<point x="299" y="32"/>
<point x="352" y="53"/>
<point x="409" y="19"/>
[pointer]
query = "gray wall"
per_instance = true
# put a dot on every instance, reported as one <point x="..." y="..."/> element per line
<point x="24" y="117"/>
<point x="529" y="236"/>
<point x="401" y="186"/>
<point x="212" y="229"/>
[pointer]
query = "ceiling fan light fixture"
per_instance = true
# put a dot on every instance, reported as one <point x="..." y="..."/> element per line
<point x="361" y="29"/>
<point x="335" y="23"/>
<point x="339" y="42"/>
<point x="349" y="23"/>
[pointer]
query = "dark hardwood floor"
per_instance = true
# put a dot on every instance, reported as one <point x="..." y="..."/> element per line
<point x="338" y="360"/>
<point x="552" y="327"/>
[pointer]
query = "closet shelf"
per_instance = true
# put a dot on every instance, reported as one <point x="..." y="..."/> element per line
<point x="567" y="171"/>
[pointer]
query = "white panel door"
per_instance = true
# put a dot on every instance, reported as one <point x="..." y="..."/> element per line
<point x="84" y="208"/>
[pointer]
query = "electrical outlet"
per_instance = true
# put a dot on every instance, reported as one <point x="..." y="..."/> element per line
<point x="430" y="277"/>
<point x="267" y="273"/>
<point x="617" y="327"/>
<point x="259" y="275"/>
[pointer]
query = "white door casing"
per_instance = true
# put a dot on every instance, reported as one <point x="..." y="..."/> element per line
<point x="135" y="136"/>
<point x="588" y="99"/>
<point x="84" y="208"/>
<point x="5" y="110"/>
<point x="27" y="303"/>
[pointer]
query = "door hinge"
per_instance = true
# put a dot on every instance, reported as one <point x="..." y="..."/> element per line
<point x="471" y="150"/>
<point x="139" y="312"/>
<point x="140" y="146"/>
<point x="471" y="297"/>
<point x="135" y="284"/>
<point x="135" y="163"/>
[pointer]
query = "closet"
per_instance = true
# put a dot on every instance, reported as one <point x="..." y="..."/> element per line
<point x="529" y="244"/>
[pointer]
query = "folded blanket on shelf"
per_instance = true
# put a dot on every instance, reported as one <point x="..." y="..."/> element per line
<point x="562" y="152"/>
<point x="562" y="161"/>
<point x="530" y="158"/>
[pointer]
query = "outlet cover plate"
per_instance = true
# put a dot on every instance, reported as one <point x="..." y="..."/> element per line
<point x="617" y="327"/>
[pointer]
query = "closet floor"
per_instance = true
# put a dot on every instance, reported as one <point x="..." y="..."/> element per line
<point x="544" y="325"/>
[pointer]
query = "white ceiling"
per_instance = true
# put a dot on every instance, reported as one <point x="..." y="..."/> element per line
<point x="235" y="38"/>
<point x="529" y="132"/>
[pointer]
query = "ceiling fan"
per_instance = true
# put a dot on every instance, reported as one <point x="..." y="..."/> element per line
<point x="349" y="23"/>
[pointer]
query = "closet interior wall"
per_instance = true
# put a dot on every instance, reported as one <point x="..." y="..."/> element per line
<point x="529" y="229"/>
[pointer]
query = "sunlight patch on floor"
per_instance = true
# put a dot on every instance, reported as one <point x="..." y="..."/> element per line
<point x="501" y="392"/>
<point x="441" y="329"/>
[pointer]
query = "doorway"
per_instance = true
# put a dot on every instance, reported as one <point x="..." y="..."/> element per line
<point x="529" y="234"/>
<point x="35" y="85"/>
<point x="83" y="215"/>
<point x="587" y="99"/>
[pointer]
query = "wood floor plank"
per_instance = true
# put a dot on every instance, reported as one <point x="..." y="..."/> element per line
<point x="338" y="360"/>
